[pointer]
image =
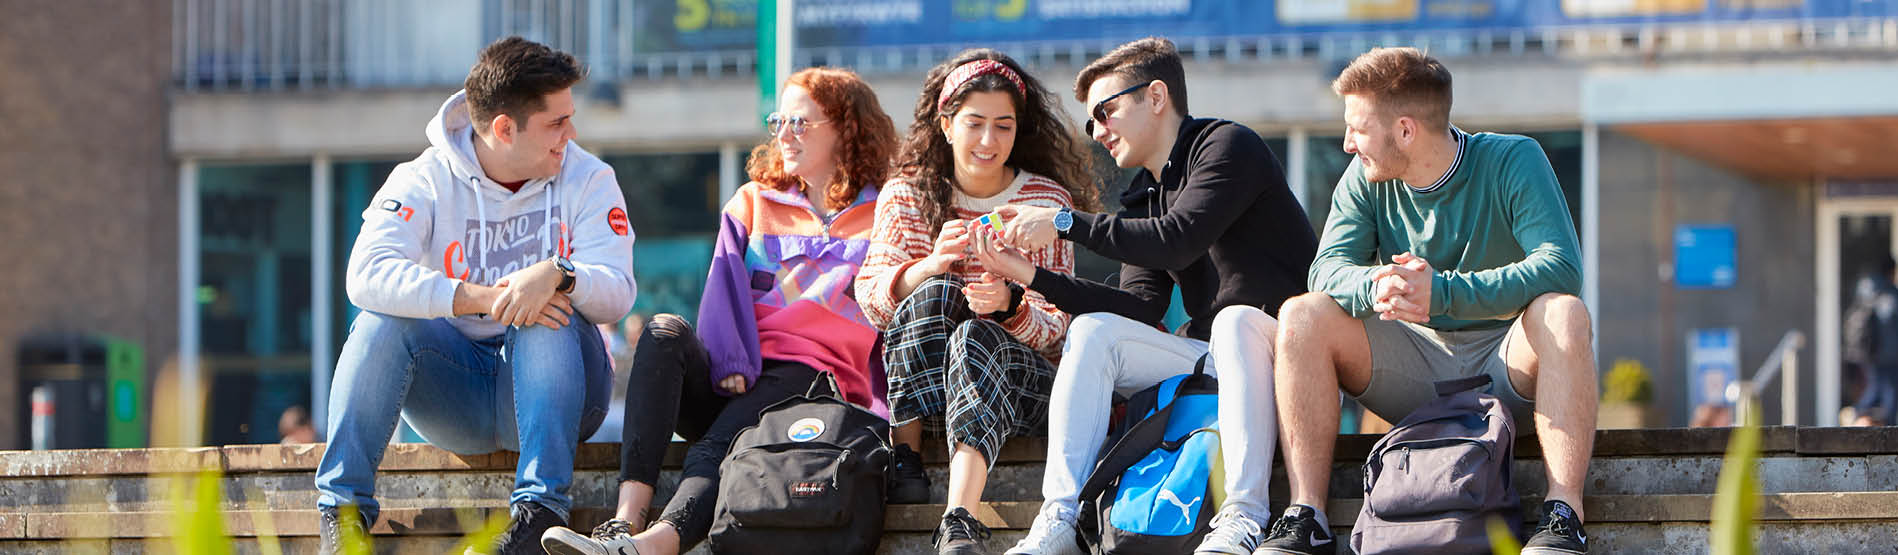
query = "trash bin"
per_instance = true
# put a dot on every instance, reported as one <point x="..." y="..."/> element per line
<point x="63" y="391"/>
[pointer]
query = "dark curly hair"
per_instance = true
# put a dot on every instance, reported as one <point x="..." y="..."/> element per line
<point x="1045" y="145"/>
<point x="866" y="137"/>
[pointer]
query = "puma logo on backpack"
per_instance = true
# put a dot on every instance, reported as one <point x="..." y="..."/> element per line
<point x="1156" y="489"/>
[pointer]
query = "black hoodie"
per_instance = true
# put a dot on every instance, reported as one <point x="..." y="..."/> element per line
<point x="1220" y="222"/>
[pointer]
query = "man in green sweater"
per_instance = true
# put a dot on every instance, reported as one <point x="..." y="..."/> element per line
<point x="1446" y="255"/>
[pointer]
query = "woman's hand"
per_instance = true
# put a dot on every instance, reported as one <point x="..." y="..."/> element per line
<point x="952" y="243"/>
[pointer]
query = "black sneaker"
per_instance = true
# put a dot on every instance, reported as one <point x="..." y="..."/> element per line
<point x="333" y="526"/>
<point x="909" y="484"/>
<point x="1298" y="532"/>
<point x="960" y="534"/>
<point x="1559" y="533"/>
<point x="527" y="522"/>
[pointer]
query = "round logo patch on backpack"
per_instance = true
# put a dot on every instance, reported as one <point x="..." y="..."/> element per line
<point x="805" y="429"/>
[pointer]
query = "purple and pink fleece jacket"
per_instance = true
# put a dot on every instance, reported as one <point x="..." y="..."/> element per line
<point x="781" y="287"/>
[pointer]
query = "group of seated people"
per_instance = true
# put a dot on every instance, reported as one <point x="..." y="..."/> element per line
<point x="929" y="276"/>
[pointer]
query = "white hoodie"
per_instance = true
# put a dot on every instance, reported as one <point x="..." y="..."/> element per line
<point x="439" y="221"/>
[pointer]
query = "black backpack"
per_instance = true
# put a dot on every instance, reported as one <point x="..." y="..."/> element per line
<point x="1157" y="488"/>
<point x="808" y="478"/>
<point x="1433" y="482"/>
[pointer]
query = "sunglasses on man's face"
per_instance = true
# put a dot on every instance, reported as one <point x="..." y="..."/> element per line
<point x="776" y="123"/>
<point x="1099" y="113"/>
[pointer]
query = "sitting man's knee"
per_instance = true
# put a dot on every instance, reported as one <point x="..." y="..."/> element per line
<point x="1309" y="309"/>
<point x="575" y="325"/>
<point x="1240" y="312"/>
<point x="1099" y="325"/>
<point x="1094" y="329"/>
<point x="370" y="324"/>
<point x="1241" y="318"/>
<point x="1560" y="305"/>
<point x="1562" y="314"/>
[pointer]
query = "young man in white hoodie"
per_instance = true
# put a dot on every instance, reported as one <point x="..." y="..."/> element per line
<point x="481" y="268"/>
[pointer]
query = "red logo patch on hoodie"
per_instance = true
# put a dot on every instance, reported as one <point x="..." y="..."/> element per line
<point x="616" y="218"/>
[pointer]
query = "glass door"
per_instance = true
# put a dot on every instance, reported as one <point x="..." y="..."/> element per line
<point x="1856" y="234"/>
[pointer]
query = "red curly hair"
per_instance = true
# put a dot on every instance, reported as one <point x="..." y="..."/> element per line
<point x="866" y="137"/>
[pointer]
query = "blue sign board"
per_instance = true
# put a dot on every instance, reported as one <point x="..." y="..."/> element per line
<point x="1713" y="360"/>
<point x="1703" y="257"/>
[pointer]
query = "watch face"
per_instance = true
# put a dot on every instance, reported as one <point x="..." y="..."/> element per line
<point x="1063" y="220"/>
<point x="564" y="264"/>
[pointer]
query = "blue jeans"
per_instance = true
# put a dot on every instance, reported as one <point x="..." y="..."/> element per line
<point x="535" y="390"/>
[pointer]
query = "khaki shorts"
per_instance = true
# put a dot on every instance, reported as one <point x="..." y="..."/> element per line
<point x="1408" y="359"/>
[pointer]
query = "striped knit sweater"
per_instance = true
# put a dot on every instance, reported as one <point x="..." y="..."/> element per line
<point x="900" y="239"/>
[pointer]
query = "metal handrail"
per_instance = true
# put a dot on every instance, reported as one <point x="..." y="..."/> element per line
<point x="1783" y="359"/>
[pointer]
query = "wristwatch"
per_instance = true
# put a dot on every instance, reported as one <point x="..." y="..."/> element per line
<point x="566" y="274"/>
<point x="1063" y="221"/>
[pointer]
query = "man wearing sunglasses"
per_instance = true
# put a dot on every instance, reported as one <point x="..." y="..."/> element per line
<point x="1210" y="213"/>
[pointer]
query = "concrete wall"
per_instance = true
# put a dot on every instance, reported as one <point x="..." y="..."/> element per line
<point x="701" y="112"/>
<point x="1647" y="191"/>
<point x="88" y="210"/>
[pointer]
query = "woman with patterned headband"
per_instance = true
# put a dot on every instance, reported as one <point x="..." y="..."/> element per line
<point x="968" y="352"/>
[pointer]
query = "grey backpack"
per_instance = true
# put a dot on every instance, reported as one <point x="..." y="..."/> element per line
<point x="1432" y="483"/>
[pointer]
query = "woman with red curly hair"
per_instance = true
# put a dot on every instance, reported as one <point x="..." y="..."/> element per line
<point x="777" y="313"/>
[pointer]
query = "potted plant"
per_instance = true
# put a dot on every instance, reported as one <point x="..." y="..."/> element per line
<point x="1627" y="393"/>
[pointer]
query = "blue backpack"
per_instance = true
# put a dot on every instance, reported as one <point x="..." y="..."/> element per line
<point x="1157" y="489"/>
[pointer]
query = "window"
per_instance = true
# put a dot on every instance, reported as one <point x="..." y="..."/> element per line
<point x="254" y="296"/>
<point x="673" y="202"/>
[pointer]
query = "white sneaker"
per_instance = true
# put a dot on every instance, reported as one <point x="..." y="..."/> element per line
<point x="613" y="537"/>
<point x="1233" y="533"/>
<point x="1049" y="535"/>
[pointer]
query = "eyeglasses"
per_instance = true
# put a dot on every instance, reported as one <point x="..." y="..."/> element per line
<point x="1099" y="113"/>
<point x="776" y="123"/>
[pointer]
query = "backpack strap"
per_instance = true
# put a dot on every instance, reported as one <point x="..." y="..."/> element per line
<point x="1133" y="446"/>
<point x="1447" y="388"/>
<point x="1199" y="381"/>
<point x="824" y="378"/>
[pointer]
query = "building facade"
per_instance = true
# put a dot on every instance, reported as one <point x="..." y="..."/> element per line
<point x="1746" y="145"/>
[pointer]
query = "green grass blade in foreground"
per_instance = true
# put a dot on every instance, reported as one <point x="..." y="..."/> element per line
<point x="1502" y="540"/>
<point x="197" y="524"/>
<point x="1737" y="499"/>
<point x="481" y="535"/>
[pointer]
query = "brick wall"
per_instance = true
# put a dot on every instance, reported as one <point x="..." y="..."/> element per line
<point x="88" y="193"/>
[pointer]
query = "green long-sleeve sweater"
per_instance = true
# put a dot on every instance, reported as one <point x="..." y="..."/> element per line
<point x="1495" y="229"/>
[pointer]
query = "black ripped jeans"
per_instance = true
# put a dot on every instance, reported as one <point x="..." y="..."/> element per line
<point x="670" y="390"/>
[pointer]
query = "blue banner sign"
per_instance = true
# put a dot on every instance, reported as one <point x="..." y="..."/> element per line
<point x="689" y="25"/>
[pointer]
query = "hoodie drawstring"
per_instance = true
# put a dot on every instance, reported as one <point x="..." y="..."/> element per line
<point x="547" y="220"/>
<point x="481" y="218"/>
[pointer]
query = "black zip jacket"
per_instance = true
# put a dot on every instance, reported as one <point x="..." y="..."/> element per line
<point x="1219" y="222"/>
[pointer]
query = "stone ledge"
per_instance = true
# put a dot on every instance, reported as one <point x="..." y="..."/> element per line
<point x="1004" y="515"/>
<point x="96" y="462"/>
<point x="1775" y="441"/>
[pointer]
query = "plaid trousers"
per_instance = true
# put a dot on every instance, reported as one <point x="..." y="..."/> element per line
<point x="962" y="374"/>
